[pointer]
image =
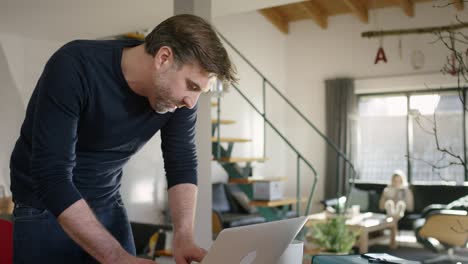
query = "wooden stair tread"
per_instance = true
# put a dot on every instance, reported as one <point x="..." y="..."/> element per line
<point x="223" y="121"/>
<point x="230" y="140"/>
<point x="285" y="201"/>
<point x="251" y="180"/>
<point x="240" y="159"/>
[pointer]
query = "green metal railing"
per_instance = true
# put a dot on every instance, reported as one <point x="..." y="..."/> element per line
<point x="299" y="155"/>
<point x="267" y="121"/>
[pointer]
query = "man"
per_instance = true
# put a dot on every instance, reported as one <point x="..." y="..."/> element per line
<point x="96" y="104"/>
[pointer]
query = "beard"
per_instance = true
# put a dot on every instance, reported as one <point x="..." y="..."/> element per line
<point x="162" y="102"/>
<point x="162" y="106"/>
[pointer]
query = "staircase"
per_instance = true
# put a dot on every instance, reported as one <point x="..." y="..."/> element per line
<point x="239" y="168"/>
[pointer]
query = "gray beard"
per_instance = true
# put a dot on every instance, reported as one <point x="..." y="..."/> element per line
<point x="166" y="111"/>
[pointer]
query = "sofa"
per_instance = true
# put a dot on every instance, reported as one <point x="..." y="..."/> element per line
<point x="368" y="196"/>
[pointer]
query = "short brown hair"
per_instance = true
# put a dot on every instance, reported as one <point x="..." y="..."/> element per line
<point x="192" y="39"/>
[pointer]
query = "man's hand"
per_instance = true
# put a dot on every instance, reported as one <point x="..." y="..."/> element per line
<point x="185" y="250"/>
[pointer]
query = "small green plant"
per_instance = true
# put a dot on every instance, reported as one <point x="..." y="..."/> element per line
<point x="334" y="235"/>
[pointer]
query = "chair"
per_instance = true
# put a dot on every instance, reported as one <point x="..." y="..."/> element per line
<point x="228" y="211"/>
<point x="6" y="242"/>
<point x="447" y="227"/>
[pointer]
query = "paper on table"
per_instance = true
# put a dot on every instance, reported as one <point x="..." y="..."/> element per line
<point x="386" y="258"/>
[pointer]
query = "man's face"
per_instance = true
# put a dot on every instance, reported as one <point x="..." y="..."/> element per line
<point x="176" y="87"/>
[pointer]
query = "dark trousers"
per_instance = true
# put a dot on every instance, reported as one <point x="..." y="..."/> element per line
<point x="38" y="238"/>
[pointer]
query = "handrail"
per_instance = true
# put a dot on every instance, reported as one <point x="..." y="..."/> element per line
<point x="274" y="128"/>
<point x="323" y="136"/>
<point x="299" y="154"/>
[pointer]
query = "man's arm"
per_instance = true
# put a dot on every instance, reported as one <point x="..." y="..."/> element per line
<point x="180" y="162"/>
<point x="182" y="203"/>
<point x="81" y="225"/>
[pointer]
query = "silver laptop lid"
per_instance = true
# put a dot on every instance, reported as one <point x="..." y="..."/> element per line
<point x="254" y="244"/>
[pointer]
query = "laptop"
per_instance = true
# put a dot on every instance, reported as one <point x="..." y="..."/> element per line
<point x="254" y="244"/>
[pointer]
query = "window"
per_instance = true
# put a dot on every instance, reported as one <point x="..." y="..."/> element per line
<point x="390" y="138"/>
<point x="382" y="137"/>
<point x="447" y="110"/>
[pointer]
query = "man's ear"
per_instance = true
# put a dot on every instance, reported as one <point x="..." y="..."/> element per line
<point x="163" y="58"/>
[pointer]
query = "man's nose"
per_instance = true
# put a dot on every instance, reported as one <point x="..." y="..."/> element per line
<point x="191" y="101"/>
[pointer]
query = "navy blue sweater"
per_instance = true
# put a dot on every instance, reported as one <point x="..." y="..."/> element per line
<point x="83" y="123"/>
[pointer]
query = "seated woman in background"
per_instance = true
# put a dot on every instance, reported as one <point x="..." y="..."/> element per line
<point x="397" y="196"/>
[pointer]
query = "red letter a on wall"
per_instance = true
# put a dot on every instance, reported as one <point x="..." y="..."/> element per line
<point x="380" y="56"/>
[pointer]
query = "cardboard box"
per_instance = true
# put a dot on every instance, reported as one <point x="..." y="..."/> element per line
<point x="268" y="190"/>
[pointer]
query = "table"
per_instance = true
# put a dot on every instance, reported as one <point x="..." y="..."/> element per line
<point x="364" y="224"/>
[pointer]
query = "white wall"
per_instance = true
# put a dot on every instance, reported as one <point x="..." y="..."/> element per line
<point x="67" y="19"/>
<point x="265" y="47"/>
<point x="11" y="108"/>
<point x="21" y="62"/>
<point x="314" y="55"/>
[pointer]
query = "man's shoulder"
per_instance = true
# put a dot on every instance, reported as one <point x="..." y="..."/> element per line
<point x="81" y="52"/>
<point x="89" y="45"/>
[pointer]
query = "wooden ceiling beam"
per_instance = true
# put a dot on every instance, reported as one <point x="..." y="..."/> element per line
<point x="359" y="8"/>
<point x="316" y="12"/>
<point x="459" y="4"/>
<point x="275" y="17"/>
<point x="408" y="7"/>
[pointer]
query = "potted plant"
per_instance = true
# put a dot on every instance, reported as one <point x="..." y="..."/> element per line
<point x="334" y="236"/>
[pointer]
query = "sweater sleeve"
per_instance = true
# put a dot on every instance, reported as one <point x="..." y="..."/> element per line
<point x="178" y="147"/>
<point x="60" y="99"/>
